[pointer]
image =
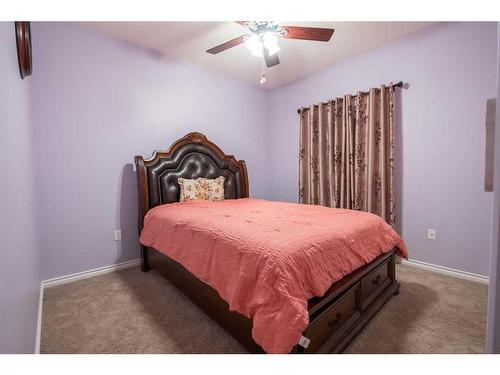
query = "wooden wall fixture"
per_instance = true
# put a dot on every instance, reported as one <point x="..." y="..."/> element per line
<point x="23" y="41"/>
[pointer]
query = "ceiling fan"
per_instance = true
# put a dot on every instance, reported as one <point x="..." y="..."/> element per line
<point x="262" y="41"/>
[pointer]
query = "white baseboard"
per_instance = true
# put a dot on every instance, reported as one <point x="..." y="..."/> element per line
<point x="447" y="271"/>
<point x="39" y="321"/>
<point x="90" y="273"/>
<point x="70" y="279"/>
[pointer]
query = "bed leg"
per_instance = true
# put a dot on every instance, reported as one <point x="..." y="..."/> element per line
<point x="398" y="286"/>
<point x="145" y="267"/>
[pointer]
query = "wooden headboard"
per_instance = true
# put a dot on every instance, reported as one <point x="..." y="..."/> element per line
<point x="192" y="156"/>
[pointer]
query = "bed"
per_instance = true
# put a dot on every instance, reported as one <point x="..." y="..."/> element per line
<point x="333" y="319"/>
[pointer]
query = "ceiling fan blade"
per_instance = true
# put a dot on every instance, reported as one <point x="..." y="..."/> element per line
<point x="229" y="44"/>
<point x="308" y="33"/>
<point x="270" y="60"/>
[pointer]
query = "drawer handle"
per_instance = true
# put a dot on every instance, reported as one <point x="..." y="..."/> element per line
<point x="376" y="280"/>
<point x="334" y="323"/>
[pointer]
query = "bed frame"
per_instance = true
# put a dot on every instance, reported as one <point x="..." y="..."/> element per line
<point x="335" y="319"/>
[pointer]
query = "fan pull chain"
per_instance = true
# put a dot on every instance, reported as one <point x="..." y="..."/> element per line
<point x="262" y="68"/>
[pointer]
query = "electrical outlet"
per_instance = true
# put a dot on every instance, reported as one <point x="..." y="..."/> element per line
<point x="431" y="234"/>
<point x="118" y="235"/>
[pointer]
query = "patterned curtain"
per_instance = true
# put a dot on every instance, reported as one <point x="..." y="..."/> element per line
<point x="346" y="153"/>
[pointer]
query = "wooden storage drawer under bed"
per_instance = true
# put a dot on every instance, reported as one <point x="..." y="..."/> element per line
<point x="374" y="283"/>
<point x="332" y="321"/>
<point x="331" y="324"/>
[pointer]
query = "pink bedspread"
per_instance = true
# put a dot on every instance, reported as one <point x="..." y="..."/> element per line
<point x="267" y="259"/>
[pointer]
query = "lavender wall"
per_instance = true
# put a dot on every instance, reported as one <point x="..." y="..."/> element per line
<point x="97" y="102"/>
<point x="451" y="70"/>
<point x="19" y="279"/>
<point x="493" y="323"/>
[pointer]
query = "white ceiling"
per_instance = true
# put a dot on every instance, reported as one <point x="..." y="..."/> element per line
<point x="189" y="40"/>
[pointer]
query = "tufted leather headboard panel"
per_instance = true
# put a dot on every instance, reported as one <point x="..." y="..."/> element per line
<point x="192" y="156"/>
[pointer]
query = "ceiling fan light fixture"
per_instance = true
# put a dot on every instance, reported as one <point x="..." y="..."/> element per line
<point x="254" y="44"/>
<point x="262" y="40"/>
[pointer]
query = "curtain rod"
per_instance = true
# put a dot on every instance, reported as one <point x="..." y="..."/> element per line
<point x="399" y="84"/>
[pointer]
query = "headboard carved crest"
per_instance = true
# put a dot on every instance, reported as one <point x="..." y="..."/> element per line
<point x="196" y="137"/>
<point x="191" y="156"/>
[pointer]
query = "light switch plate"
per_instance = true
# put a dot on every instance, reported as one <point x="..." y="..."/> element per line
<point x="118" y="235"/>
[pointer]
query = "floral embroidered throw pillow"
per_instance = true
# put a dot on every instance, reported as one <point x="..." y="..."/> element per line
<point x="202" y="188"/>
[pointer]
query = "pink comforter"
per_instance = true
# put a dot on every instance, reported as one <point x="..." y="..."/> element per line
<point x="267" y="259"/>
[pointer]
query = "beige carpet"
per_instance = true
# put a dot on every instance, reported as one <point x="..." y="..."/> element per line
<point x="134" y="312"/>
